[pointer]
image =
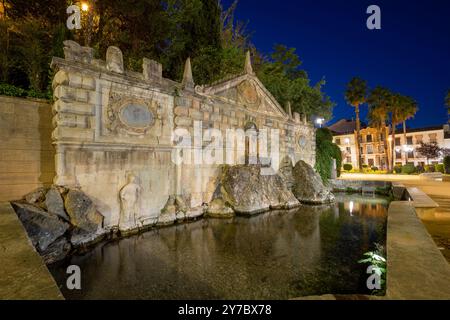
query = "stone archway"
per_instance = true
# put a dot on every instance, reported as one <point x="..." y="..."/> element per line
<point x="251" y="133"/>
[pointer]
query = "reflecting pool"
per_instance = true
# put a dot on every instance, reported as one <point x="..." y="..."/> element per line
<point x="276" y="255"/>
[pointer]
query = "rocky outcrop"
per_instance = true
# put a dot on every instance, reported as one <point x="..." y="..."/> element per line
<point x="58" y="219"/>
<point x="247" y="191"/>
<point x="82" y="211"/>
<point x="308" y="186"/>
<point x="42" y="227"/>
<point x="219" y="209"/>
<point x="177" y="210"/>
<point x="54" y="203"/>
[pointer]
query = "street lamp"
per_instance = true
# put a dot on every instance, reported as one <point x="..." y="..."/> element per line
<point x="319" y="122"/>
<point x="84" y="7"/>
<point x="407" y="149"/>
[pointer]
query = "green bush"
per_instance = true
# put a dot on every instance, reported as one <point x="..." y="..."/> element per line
<point x="429" y="168"/>
<point x="439" y="168"/>
<point x="374" y="168"/>
<point x="447" y="164"/>
<point x="39" y="95"/>
<point x="408" y="168"/>
<point x="365" y="166"/>
<point x="398" y="169"/>
<point x="348" y="167"/>
<point x="13" y="91"/>
<point x="326" y="151"/>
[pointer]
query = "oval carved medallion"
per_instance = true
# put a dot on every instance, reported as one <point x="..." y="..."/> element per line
<point x="136" y="116"/>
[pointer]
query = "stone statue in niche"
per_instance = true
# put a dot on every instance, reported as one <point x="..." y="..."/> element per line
<point x="129" y="203"/>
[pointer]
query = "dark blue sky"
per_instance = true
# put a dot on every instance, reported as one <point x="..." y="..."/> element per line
<point x="409" y="55"/>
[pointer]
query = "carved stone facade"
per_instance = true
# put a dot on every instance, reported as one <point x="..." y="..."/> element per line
<point x="110" y="122"/>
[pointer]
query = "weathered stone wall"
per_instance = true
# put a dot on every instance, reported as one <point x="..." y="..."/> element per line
<point x="113" y="131"/>
<point x="26" y="151"/>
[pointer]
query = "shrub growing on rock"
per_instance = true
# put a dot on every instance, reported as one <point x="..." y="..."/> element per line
<point x="326" y="151"/>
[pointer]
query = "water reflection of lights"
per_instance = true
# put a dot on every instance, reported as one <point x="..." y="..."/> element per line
<point x="351" y="208"/>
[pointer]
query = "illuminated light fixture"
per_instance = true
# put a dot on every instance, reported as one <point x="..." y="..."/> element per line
<point x="320" y="121"/>
<point x="398" y="149"/>
<point x="84" y="7"/>
<point x="351" y="208"/>
<point x="347" y="141"/>
<point x="390" y="139"/>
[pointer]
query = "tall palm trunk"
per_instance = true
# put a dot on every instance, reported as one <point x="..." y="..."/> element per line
<point x="358" y="137"/>
<point x="385" y="134"/>
<point x="393" y="145"/>
<point x="406" y="141"/>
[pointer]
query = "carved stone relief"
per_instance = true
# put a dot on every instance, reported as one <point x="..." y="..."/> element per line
<point x="248" y="95"/>
<point x="132" y="116"/>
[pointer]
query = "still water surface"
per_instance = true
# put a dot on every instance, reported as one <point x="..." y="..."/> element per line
<point x="276" y="255"/>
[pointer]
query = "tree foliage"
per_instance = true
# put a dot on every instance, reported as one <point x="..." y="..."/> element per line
<point x="429" y="150"/>
<point x="168" y="31"/>
<point x="326" y="151"/>
<point x="282" y="76"/>
<point x="447" y="100"/>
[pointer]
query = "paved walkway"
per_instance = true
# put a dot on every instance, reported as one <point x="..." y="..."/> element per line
<point x="439" y="225"/>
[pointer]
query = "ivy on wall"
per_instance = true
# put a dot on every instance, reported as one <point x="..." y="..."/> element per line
<point x="326" y="151"/>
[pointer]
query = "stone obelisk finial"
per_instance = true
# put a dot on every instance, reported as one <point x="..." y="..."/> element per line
<point x="188" y="79"/>
<point x="248" y="63"/>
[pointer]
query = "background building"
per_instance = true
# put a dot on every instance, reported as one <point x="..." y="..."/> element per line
<point x="374" y="144"/>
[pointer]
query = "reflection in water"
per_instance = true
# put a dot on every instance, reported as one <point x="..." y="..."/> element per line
<point x="277" y="255"/>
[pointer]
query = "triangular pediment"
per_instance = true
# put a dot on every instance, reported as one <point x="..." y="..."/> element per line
<point x="247" y="91"/>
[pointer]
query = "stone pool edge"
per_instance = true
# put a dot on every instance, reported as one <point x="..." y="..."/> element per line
<point x="23" y="273"/>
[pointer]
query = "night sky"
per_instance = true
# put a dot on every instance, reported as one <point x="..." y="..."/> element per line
<point x="409" y="55"/>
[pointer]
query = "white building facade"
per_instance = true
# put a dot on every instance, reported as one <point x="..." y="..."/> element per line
<point x="373" y="151"/>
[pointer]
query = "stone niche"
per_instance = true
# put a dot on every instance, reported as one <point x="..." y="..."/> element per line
<point x="113" y="134"/>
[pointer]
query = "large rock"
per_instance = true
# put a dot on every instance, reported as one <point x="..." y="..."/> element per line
<point x="308" y="186"/>
<point x="55" y="204"/>
<point x="219" y="209"/>
<point x="80" y="237"/>
<point x="249" y="192"/>
<point x="42" y="227"/>
<point x="82" y="211"/>
<point x="36" y="196"/>
<point x="57" y="251"/>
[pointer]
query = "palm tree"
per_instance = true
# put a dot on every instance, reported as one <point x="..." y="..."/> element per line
<point x="356" y="95"/>
<point x="395" y="104"/>
<point x="408" y="109"/>
<point x="447" y="101"/>
<point x="378" y="115"/>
